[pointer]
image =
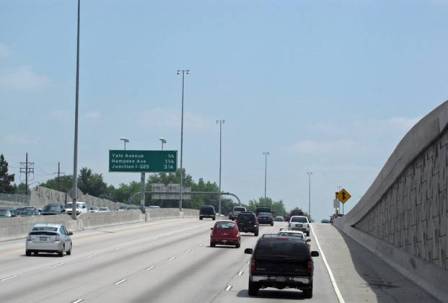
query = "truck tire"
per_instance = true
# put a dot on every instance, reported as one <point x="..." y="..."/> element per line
<point x="308" y="293"/>
<point x="253" y="289"/>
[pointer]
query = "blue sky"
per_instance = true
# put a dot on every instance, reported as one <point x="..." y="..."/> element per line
<point x="326" y="86"/>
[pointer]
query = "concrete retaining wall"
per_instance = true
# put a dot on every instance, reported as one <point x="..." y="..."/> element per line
<point x="18" y="227"/>
<point x="403" y="217"/>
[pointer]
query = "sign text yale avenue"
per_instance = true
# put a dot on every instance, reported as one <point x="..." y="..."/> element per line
<point x="142" y="161"/>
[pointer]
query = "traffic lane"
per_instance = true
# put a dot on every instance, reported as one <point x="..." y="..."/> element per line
<point x="323" y="290"/>
<point x="361" y="275"/>
<point x="65" y="276"/>
<point x="86" y="242"/>
<point x="198" y="277"/>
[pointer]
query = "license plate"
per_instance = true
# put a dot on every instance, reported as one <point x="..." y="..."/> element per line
<point x="43" y="239"/>
<point x="224" y="241"/>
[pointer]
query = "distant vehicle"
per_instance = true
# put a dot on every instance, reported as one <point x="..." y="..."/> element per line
<point x="299" y="223"/>
<point x="295" y="233"/>
<point x="7" y="213"/>
<point x="27" y="211"/>
<point x="81" y="208"/>
<point x="281" y="262"/>
<point x="325" y="221"/>
<point x="265" y="218"/>
<point x="333" y="217"/>
<point x="247" y="222"/>
<point x="236" y="211"/>
<point x="225" y="233"/>
<point x="263" y="210"/>
<point x="93" y="209"/>
<point x="53" y="209"/>
<point x="207" y="211"/>
<point x="153" y="206"/>
<point x="49" y="238"/>
<point x="279" y="219"/>
<point x="104" y="210"/>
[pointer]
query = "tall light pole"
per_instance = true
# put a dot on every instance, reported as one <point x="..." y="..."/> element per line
<point x="266" y="154"/>
<point x="182" y="72"/>
<point x="75" y="145"/>
<point x="163" y="141"/>
<point x="309" y="193"/>
<point x="125" y="141"/>
<point x="220" y="122"/>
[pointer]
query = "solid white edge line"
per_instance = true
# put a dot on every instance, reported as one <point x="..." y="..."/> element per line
<point x="120" y="282"/>
<point x="330" y="273"/>
<point x="8" y="278"/>
<point x="229" y="287"/>
<point x="78" y="301"/>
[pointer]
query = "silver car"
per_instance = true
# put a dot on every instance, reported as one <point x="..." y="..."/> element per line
<point x="49" y="238"/>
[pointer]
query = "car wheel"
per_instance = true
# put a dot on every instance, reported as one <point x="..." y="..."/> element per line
<point x="238" y="245"/>
<point x="214" y="218"/>
<point x="272" y="224"/>
<point x="61" y="253"/>
<point x="256" y="233"/>
<point x="200" y="218"/>
<point x="212" y="244"/>
<point x="69" y="252"/>
<point x="253" y="289"/>
<point x="308" y="293"/>
<point x="28" y="253"/>
<point x="307" y="233"/>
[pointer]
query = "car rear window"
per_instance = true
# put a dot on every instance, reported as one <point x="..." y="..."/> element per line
<point x="43" y="233"/>
<point x="281" y="249"/>
<point x="299" y="219"/>
<point x="265" y="214"/>
<point x="239" y="209"/>
<point x="225" y="225"/>
<point x="246" y="218"/>
<point x="207" y="210"/>
<point x="45" y="228"/>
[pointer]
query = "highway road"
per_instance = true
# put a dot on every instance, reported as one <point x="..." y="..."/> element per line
<point x="171" y="261"/>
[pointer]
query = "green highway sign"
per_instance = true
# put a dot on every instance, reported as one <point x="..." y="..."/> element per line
<point x="142" y="161"/>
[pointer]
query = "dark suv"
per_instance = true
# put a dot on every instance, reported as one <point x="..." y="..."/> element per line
<point x="247" y="222"/>
<point x="265" y="218"/>
<point x="207" y="211"/>
<point x="53" y="209"/>
<point x="281" y="262"/>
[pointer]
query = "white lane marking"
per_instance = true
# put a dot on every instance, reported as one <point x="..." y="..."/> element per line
<point x="120" y="282"/>
<point x="229" y="287"/>
<point x="57" y="264"/>
<point x="150" y="268"/>
<point x="240" y="273"/>
<point x="188" y="251"/>
<point x="78" y="301"/>
<point x="330" y="273"/>
<point x="171" y="259"/>
<point x="8" y="278"/>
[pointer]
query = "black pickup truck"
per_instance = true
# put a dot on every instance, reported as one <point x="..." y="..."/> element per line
<point x="281" y="262"/>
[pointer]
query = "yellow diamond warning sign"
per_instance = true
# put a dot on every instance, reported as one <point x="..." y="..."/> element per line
<point x="343" y="195"/>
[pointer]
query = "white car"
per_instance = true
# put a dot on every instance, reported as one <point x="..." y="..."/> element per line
<point x="294" y="233"/>
<point x="300" y="223"/>
<point x="81" y="208"/>
<point x="49" y="238"/>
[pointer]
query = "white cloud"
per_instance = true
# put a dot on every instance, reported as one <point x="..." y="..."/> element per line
<point x="23" y="78"/>
<point x="165" y="118"/>
<point x="15" y="139"/>
<point x="4" y="52"/>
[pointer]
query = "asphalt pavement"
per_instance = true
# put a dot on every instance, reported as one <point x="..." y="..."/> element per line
<point x="164" y="261"/>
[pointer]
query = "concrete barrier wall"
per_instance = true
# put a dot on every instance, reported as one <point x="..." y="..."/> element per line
<point x="403" y="217"/>
<point x="18" y="227"/>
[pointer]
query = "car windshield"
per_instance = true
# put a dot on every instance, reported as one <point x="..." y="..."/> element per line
<point x="225" y="225"/>
<point x="299" y="219"/>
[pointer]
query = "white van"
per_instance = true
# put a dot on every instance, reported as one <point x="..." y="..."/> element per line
<point x="81" y="208"/>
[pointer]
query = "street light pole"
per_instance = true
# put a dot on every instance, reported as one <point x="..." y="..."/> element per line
<point x="266" y="154"/>
<point x="309" y="193"/>
<point x="125" y="140"/>
<point x="163" y="141"/>
<point x="220" y="122"/>
<point x="75" y="145"/>
<point x="182" y="72"/>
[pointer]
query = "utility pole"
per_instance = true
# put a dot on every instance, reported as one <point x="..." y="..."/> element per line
<point x="75" y="145"/>
<point x="163" y="141"/>
<point x="266" y="154"/>
<point x="309" y="193"/>
<point x="182" y="72"/>
<point x="26" y="168"/>
<point x="220" y="122"/>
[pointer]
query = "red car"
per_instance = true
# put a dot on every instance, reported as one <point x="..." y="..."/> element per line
<point x="225" y="233"/>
